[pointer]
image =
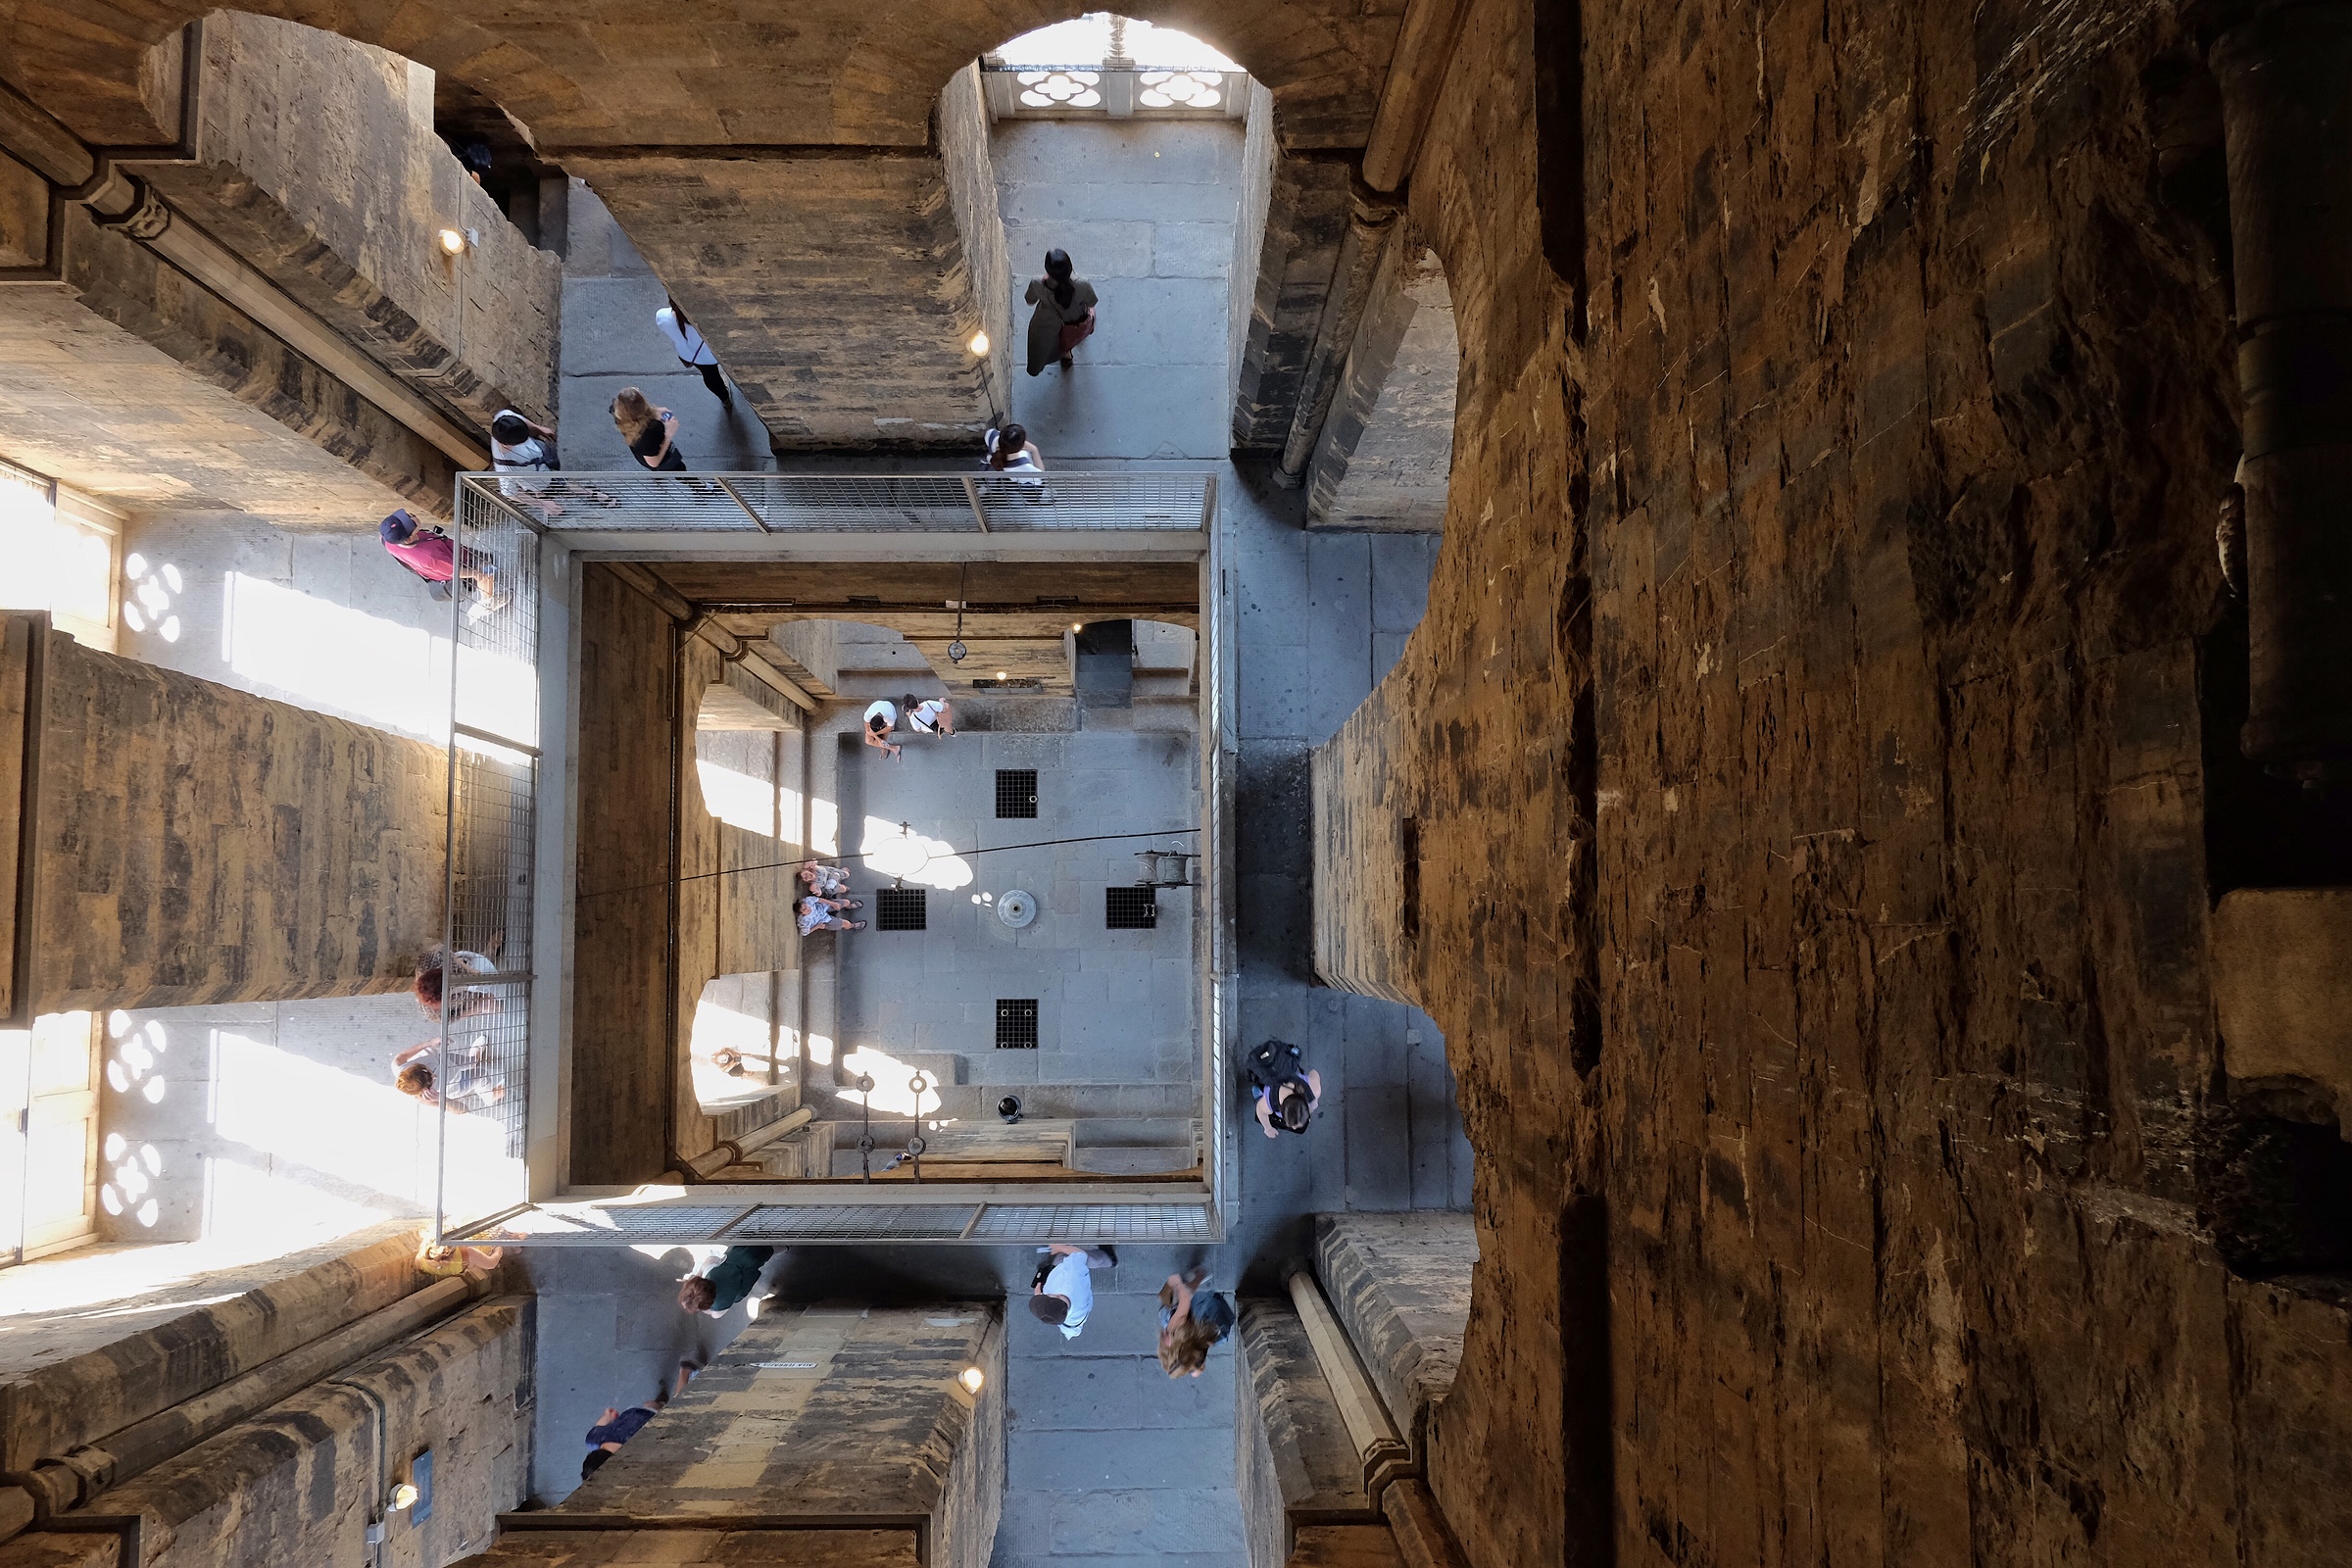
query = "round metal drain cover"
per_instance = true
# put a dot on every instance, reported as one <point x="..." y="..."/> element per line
<point x="1016" y="909"/>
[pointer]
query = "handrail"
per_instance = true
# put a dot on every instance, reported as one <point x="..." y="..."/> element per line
<point x="601" y="501"/>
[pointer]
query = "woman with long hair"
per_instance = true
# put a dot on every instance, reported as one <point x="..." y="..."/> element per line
<point x="651" y="433"/>
<point x="1064" y="316"/>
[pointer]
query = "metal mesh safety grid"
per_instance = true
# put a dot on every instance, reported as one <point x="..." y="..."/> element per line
<point x="1017" y="792"/>
<point x="1104" y="1222"/>
<point x="1130" y="909"/>
<point x="902" y="908"/>
<point x="1016" y="1024"/>
<point x="483" y="1067"/>
<point x="975" y="502"/>
<point x="935" y="1222"/>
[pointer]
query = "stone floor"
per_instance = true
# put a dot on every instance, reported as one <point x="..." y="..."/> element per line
<point x="932" y="993"/>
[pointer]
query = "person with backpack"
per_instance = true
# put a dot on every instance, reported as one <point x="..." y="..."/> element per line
<point x="1065" y="313"/>
<point x="1192" y="1321"/>
<point x="521" y="444"/>
<point x="1014" y="455"/>
<point x="432" y="555"/>
<point x="1285" y="1098"/>
<point x="686" y="341"/>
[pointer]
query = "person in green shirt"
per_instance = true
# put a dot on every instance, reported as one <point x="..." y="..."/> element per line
<point x="727" y="1284"/>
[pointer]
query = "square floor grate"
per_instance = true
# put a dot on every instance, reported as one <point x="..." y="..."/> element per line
<point x="1130" y="909"/>
<point x="1017" y="792"/>
<point x="902" y="909"/>
<point x="1016" y="1024"/>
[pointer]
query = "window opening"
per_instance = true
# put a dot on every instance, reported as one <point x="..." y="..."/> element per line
<point x="1016" y="1026"/>
<point x="902" y="909"/>
<point x="1130" y="909"/>
<point x="57" y="561"/>
<point x="1106" y="64"/>
<point x="1410" y="850"/>
<point x="1017" y="792"/>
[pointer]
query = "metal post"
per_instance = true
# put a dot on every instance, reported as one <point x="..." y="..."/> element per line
<point x="971" y="493"/>
<point x="737" y="495"/>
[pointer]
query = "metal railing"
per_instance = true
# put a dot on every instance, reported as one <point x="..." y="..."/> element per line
<point x="481" y="1071"/>
<point x="978" y="502"/>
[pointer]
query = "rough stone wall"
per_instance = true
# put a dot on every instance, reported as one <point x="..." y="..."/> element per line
<point x="1400" y="1284"/>
<point x="1293" y="1461"/>
<point x="1804" y="742"/>
<point x="318" y="162"/>
<point x="1306" y="214"/>
<point x="963" y="149"/>
<point x="72" y="1381"/>
<point x="873" y="1431"/>
<point x="835" y="288"/>
<point x="133" y="384"/>
<point x="693" y="1549"/>
<point x="199" y="845"/>
<point x="300" y="1482"/>
<point x="1385" y="452"/>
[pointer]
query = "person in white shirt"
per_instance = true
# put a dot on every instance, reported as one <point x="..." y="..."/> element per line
<point x="880" y="719"/>
<point x="686" y="340"/>
<point x="1014" y="455"/>
<point x="522" y="445"/>
<point x="930" y="717"/>
<point x="1061" y="1295"/>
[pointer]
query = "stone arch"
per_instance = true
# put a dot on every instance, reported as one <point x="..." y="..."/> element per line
<point x="113" y="76"/>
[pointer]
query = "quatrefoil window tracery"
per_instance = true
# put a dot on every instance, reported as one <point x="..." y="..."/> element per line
<point x="1077" y="90"/>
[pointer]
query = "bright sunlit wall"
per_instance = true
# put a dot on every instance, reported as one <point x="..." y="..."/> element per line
<point x="60" y="550"/>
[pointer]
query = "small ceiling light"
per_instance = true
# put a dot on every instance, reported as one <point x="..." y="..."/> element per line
<point x="972" y="1378"/>
<point x="404" y="1497"/>
<point x="1000" y="675"/>
<point x="957" y="651"/>
<point x="453" y="241"/>
<point x="1075" y="627"/>
<point x="979" y="343"/>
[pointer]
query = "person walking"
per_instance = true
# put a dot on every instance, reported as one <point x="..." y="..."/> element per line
<point x="653" y="436"/>
<point x="1190" y="1321"/>
<point x="1285" y="1098"/>
<point x="1060" y="1293"/>
<point x="520" y="444"/>
<point x="1064" y="316"/>
<point x="716" y="1291"/>
<point x="686" y="340"/>
<point x="617" y="1426"/>
<point x="651" y="433"/>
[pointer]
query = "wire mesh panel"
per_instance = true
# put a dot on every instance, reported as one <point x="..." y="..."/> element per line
<point x="967" y="502"/>
<point x="1092" y="1222"/>
<point x="1016" y="1024"/>
<point x="902" y="908"/>
<point x="904" y="1222"/>
<point x="602" y="1224"/>
<point x="1130" y="909"/>
<point x="482" y="1070"/>
<point x="1017" y="792"/>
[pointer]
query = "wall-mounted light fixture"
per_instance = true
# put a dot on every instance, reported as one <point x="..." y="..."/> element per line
<point x="972" y="1378"/>
<point x="979" y="345"/>
<point x="1000" y="675"/>
<point x="457" y="241"/>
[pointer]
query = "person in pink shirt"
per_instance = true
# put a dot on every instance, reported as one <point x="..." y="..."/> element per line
<point x="432" y="556"/>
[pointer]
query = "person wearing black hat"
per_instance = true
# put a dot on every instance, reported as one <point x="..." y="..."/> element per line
<point x="432" y="555"/>
<point x="521" y="444"/>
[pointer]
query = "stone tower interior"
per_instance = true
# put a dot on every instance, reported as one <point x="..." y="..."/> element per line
<point x="1702" y="604"/>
